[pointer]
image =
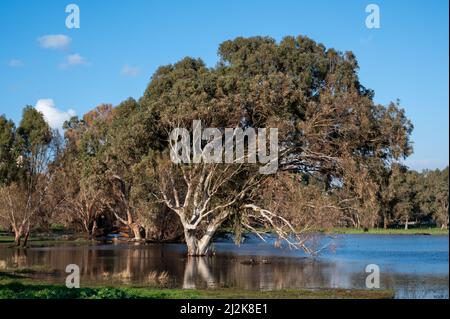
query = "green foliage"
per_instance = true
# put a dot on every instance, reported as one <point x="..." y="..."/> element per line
<point x="33" y="131"/>
<point x="18" y="290"/>
<point x="433" y="195"/>
<point x="8" y="153"/>
<point x="410" y="196"/>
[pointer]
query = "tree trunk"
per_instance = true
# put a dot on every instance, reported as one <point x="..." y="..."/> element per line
<point x="196" y="247"/>
<point x="357" y="222"/>
<point x="17" y="238"/>
<point x="444" y="225"/>
<point x="18" y="233"/>
<point x="200" y="247"/>
<point x="27" y="234"/>
<point x="406" y="223"/>
<point x="25" y="240"/>
<point x="93" y="230"/>
<point x="136" y="231"/>
<point x="86" y="228"/>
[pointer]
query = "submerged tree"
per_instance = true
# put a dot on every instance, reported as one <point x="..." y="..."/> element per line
<point x="328" y="128"/>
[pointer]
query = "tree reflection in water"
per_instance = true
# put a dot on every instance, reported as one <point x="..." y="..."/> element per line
<point x="167" y="266"/>
<point x="197" y="268"/>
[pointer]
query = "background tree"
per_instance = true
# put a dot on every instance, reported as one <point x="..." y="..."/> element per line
<point x="434" y="194"/>
<point x="130" y="136"/>
<point x="403" y="194"/>
<point x="8" y="151"/>
<point x="24" y="199"/>
<point x="82" y="174"/>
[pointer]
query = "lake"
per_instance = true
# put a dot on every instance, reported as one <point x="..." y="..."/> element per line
<point x="414" y="266"/>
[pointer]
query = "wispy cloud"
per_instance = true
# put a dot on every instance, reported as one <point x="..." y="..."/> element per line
<point x="130" y="70"/>
<point x="54" y="117"/>
<point x="15" y="63"/>
<point x="73" y="60"/>
<point x="54" y="41"/>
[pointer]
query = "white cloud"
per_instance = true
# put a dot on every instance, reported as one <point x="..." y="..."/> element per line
<point x="54" y="117"/>
<point x="54" y="41"/>
<point x="130" y="71"/>
<point x="72" y="60"/>
<point x="15" y="63"/>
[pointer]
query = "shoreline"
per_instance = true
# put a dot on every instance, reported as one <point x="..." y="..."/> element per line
<point x="26" y="288"/>
<point x="42" y="239"/>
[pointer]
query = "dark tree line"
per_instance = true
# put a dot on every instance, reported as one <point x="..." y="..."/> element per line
<point x="338" y="159"/>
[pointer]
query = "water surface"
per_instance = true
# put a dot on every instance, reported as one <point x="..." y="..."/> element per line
<point x="414" y="266"/>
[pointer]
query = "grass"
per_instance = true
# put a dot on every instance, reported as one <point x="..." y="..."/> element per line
<point x="373" y="231"/>
<point x="37" y="240"/>
<point x="15" y="287"/>
<point x="27" y="272"/>
<point x="390" y="231"/>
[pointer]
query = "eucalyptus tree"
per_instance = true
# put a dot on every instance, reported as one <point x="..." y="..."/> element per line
<point x="8" y="153"/>
<point x="433" y="195"/>
<point x="131" y="136"/>
<point x="80" y="182"/>
<point x="403" y="194"/>
<point x="8" y="166"/>
<point x="328" y="127"/>
<point x="23" y="196"/>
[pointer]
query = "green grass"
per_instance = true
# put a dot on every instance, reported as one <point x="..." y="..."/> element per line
<point x="389" y="231"/>
<point x="18" y="288"/>
<point x="374" y="231"/>
<point x="7" y="240"/>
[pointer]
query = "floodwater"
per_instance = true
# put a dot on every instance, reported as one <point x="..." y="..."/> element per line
<point x="414" y="266"/>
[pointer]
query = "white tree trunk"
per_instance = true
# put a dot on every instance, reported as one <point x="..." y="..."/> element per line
<point x="196" y="247"/>
<point x="197" y="268"/>
<point x="136" y="231"/>
<point x="17" y="237"/>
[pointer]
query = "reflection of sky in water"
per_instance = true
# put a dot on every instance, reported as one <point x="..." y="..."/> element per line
<point x="402" y="253"/>
<point x="414" y="266"/>
<point x="405" y="254"/>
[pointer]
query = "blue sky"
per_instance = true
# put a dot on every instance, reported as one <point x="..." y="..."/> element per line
<point x="120" y="44"/>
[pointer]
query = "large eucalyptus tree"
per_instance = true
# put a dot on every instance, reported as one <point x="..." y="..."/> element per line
<point x="328" y="127"/>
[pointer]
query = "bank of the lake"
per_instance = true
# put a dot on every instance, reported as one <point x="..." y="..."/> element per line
<point x="60" y="237"/>
<point x="14" y="288"/>
<point x="7" y="241"/>
<point x="433" y="231"/>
